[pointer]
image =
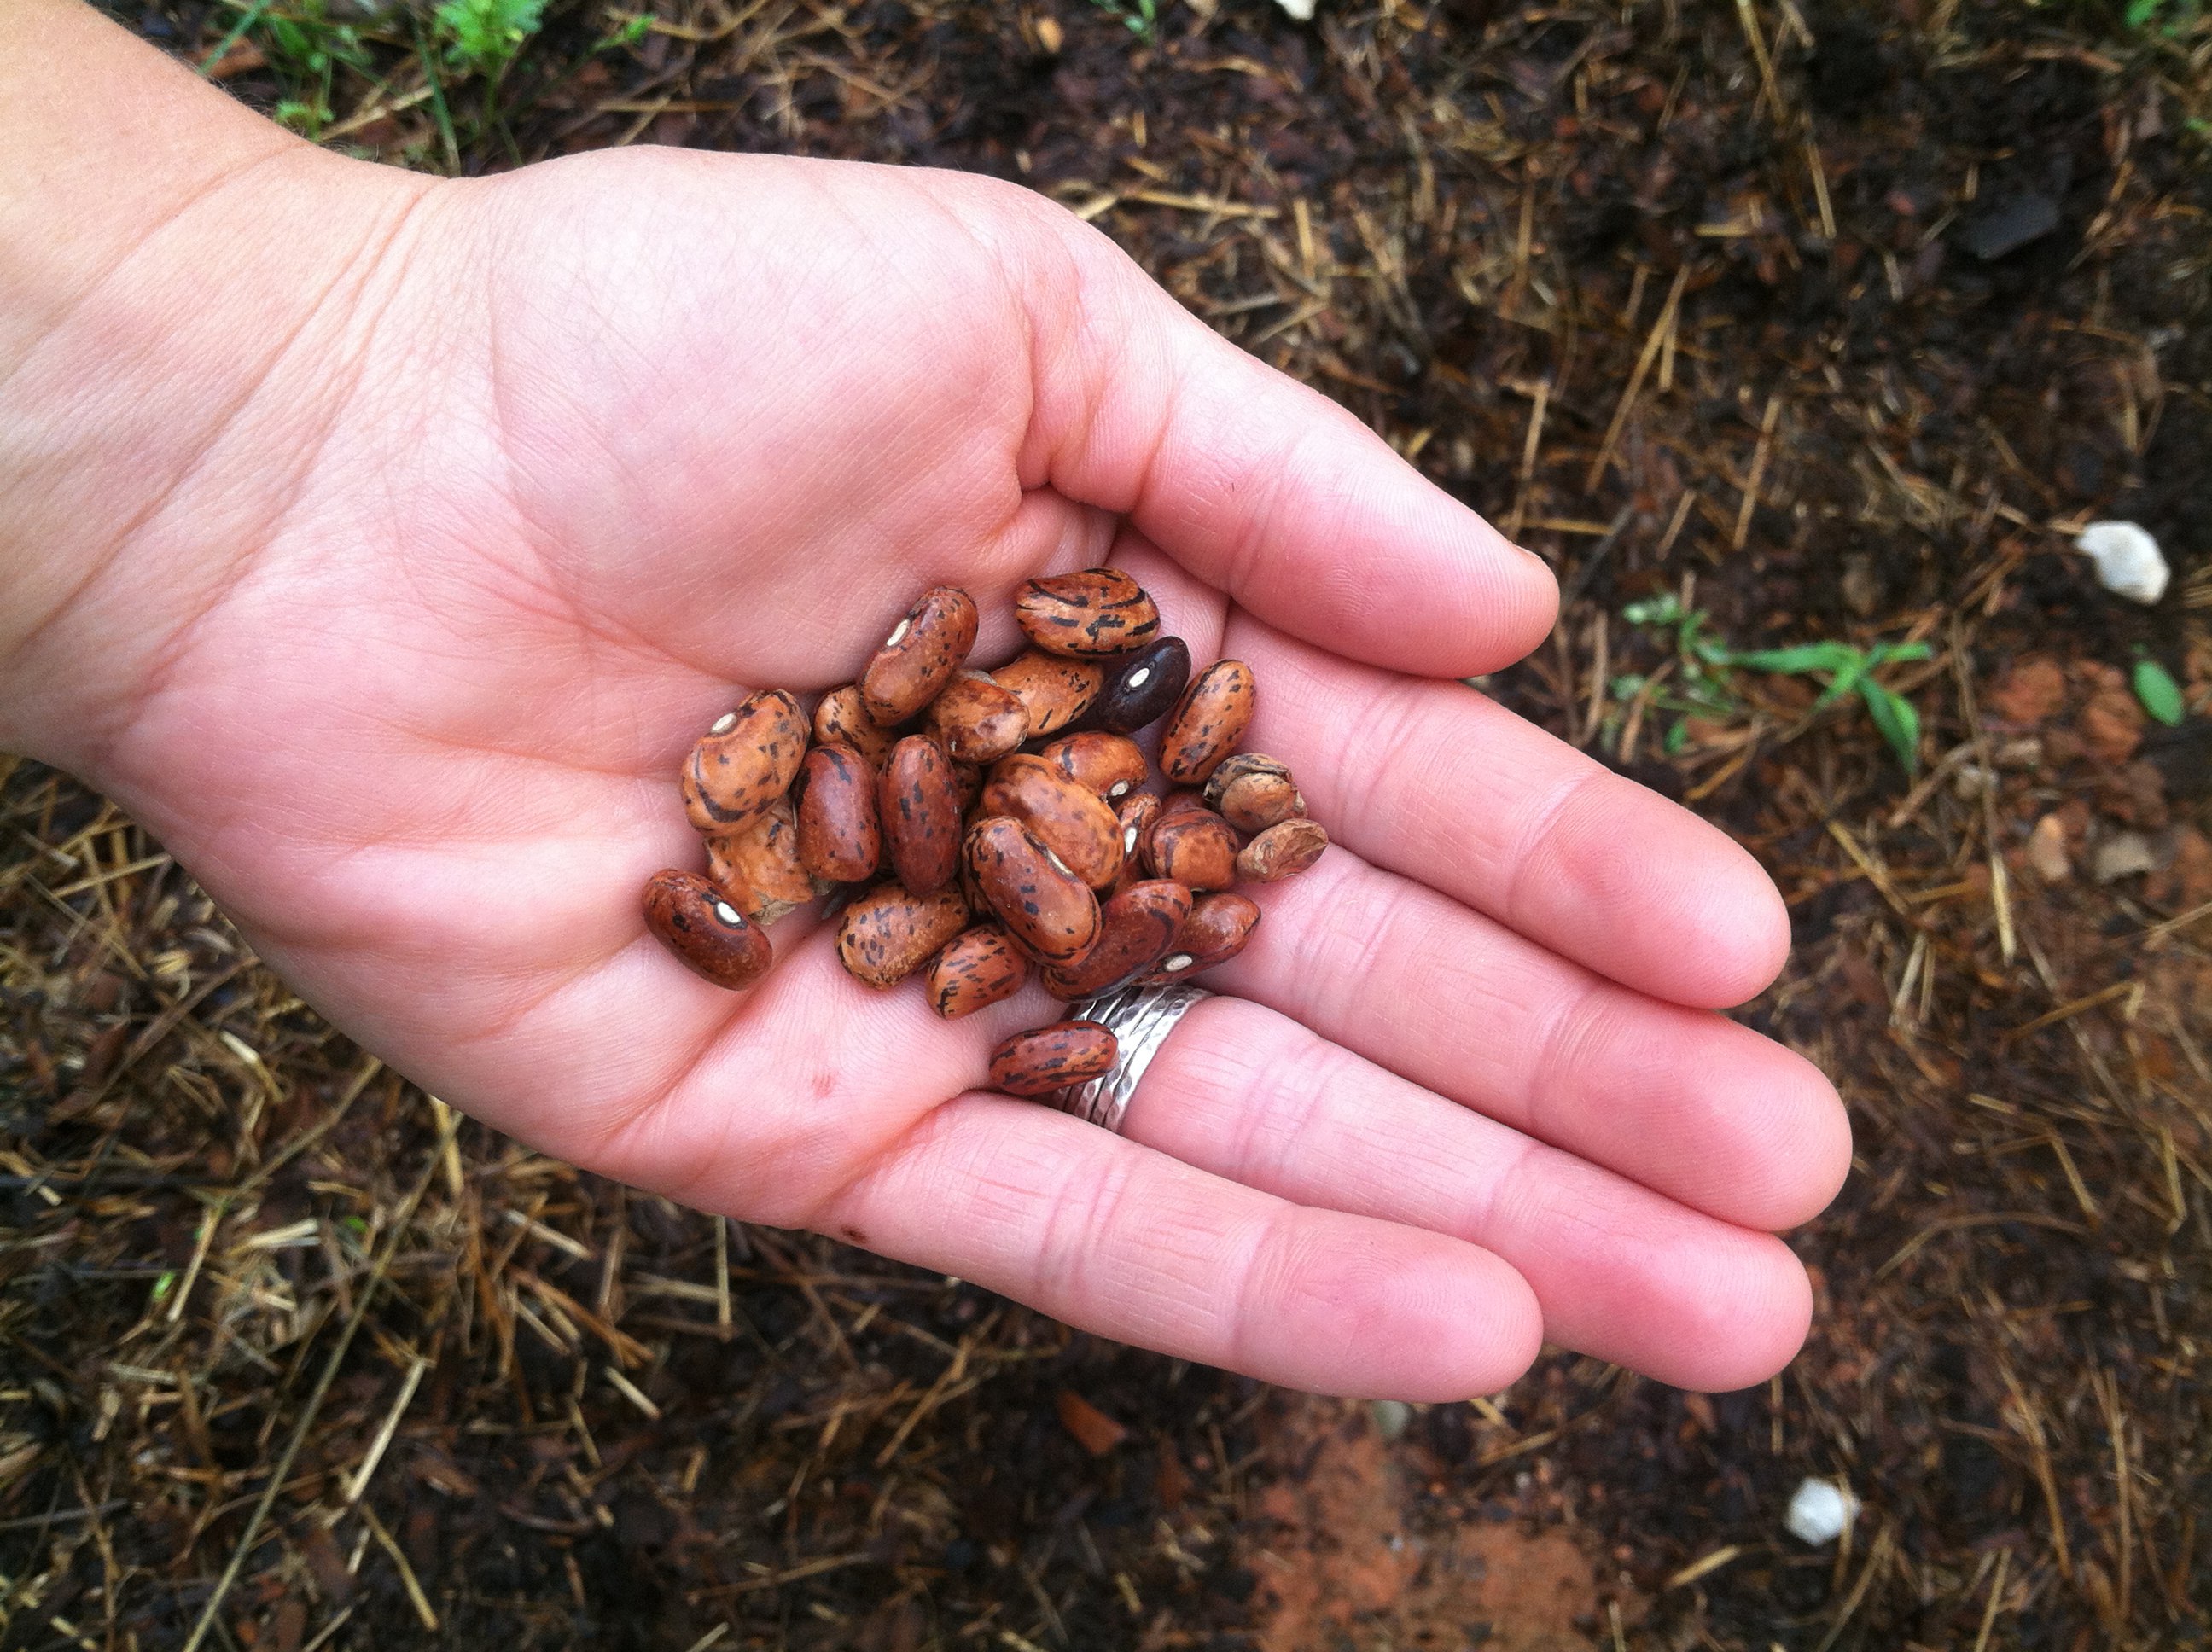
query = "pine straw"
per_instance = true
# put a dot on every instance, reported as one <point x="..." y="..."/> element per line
<point x="1639" y="283"/>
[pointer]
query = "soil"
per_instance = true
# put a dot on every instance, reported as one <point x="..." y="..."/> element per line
<point x="1916" y="291"/>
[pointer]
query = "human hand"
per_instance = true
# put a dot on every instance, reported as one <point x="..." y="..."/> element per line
<point x="403" y="659"/>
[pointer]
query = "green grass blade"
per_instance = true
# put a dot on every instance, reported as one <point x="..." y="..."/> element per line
<point x="2159" y="694"/>
<point x="1897" y="721"/>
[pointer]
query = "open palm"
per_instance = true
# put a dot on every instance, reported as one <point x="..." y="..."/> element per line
<point x="582" y="455"/>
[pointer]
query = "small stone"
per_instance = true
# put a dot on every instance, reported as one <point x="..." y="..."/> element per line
<point x="1818" y="1511"/>
<point x="2128" y="562"/>
<point x="2011" y="225"/>
<point x="2123" y="855"/>
<point x="1301" y="9"/>
<point x="1390" y="1417"/>
<point x="1094" y="1431"/>
<point x="2046" y="850"/>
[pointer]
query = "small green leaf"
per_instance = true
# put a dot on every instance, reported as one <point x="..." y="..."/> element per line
<point x="1654" y="610"/>
<point x="163" y="1286"/>
<point x="2159" y="694"/>
<point x="1807" y="657"/>
<point x="1850" y="677"/>
<point x="1899" y="723"/>
<point x="1677" y="733"/>
<point x="1627" y="686"/>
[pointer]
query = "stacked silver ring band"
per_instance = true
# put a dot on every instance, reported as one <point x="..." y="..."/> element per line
<point x="1140" y="1018"/>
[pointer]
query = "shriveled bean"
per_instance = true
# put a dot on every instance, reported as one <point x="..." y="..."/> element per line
<point x="1143" y="687"/>
<point x="980" y="966"/>
<point x="886" y="934"/>
<point x="1054" y="690"/>
<point x="1109" y="764"/>
<point x="1050" y="912"/>
<point x="759" y="867"/>
<point x="745" y="762"/>
<point x="1135" y="929"/>
<point x="1217" y="930"/>
<point x="1282" y="851"/>
<point x="695" y="922"/>
<point x="1068" y="818"/>
<point x="842" y="720"/>
<point x="1207" y="723"/>
<point x="1194" y="847"/>
<point x="839" y="836"/>
<point x="1100" y="610"/>
<point x="1044" y="1058"/>
<point x="920" y="656"/>
<point x="976" y="719"/>
<point x="1253" y="792"/>
<point x="918" y="807"/>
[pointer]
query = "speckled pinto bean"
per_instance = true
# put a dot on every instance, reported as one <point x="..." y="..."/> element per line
<point x="759" y="867"/>
<point x="1109" y="764"/>
<point x="694" y="920"/>
<point x="918" y="807"/>
<point x="1216" y="932"/>
<point x="1050" y="912"/>
<point x="1252" y="792"/>
<point x="1282" y="851"/>
<point x="980" y="967"/>
<point x="745" y="762"/>
<point x="1194" y="847"/>
<point x="1037" y="1062"/>
<point x="1135" y="929"/>
<point x="1068" y="818"/>
<point x="1134" y="815"/>
<point x="1098" y="611"/>
<point x="1208" y="722"/>
<point x="976" y="720"/>
<point x="839" y="837"/>
<point x="1141" y="688"/>
<point x="886" y="934"/>
<point x="1054" y="691"/>
<point x="920" y="656"/>
<point x="842" y="720"/>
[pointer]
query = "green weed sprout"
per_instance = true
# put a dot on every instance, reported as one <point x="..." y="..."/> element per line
<point x="1706" y="662"/>
<point x="485" y="34"/>
<point x="1140" y="17"/>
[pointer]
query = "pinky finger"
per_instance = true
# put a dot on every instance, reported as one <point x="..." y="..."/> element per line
<point x="1126" y="1242"/>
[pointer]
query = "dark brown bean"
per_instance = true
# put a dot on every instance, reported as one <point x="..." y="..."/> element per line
<point x="842" y="720"/>
<point x="1068" y="818"/>
<point x="1100" y="610"/>
<point x="745" y="762"/>
<point x="697" y="923"/>
<point x="1194" y="847"/>
<point x="980" y="967"/>
<point x="1208" y="722"/>
<point x="1054" y="691"/>
<point x="886" y="934"/>
<point x="759" y="867"/>
<point x="918" y="809"/>
<point x="1282" y="851"/>
<point x="1141" y="688"/>
<point x="1252" y="792"/>
<point x="1111" y="765"/>
<point x="1134" y="815"/>
<point x="920" y="656"/>
<point x="839" y="837"/>
<point x="1043" y="1059"/>
<point x="1050" y="912"/>
<point x="1135" y="929"/>
<point x="1217" y="930"/>
<point x="976" y="720"/>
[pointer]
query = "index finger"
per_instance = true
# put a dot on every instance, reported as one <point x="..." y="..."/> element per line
<point x="1259" y="486"/>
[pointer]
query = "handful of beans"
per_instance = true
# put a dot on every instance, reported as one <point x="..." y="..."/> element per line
<point x="998" y="820"/>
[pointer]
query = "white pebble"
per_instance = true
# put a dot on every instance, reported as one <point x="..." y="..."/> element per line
<point x="1390" y="1416"/>
<point x="1820" y="1511"/>
<point x="2128" y="562"/>
<point x="1301" y="9"/>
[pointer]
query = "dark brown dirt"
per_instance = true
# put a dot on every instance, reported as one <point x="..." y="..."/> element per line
<point x="1464" y="222"/>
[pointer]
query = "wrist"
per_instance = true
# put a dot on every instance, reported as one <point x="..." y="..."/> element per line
<point x="164" y="282"/>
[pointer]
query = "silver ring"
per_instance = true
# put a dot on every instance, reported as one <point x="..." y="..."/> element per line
<point x="1140" y="1018"/>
